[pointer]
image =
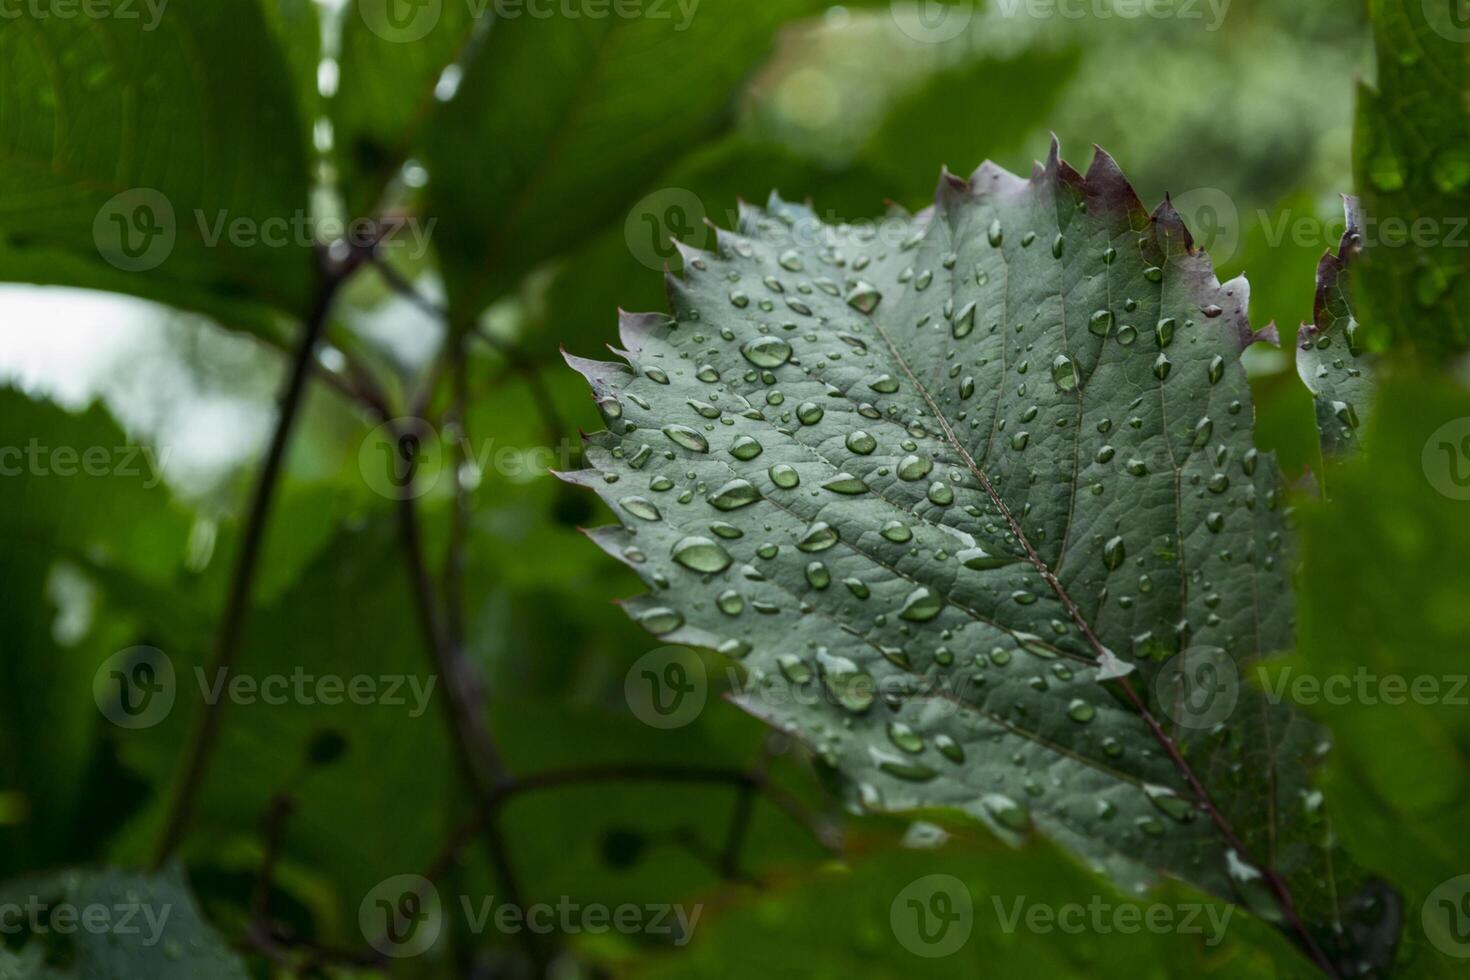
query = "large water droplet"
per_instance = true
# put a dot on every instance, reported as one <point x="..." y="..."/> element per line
<point x="819" y="537"/>
<point x="641" y="507"/>
<point x="921" y="606"/>
<point x="701" y="555"/>
<point x="734" y="495"/>
<point x="767" y="352"/>
<point x="686" y="437"/>
<point x="745" y="448"/>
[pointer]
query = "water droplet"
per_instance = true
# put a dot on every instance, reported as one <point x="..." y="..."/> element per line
<point x="1101" y="323"/>
<point x="981" y="560"/>
<point x="1058" y="246"/>
<point x="884" y="384"/>
<point x="819" y="537"/>
<point x="1154" y="274"/>
<point x="791" y="261"/>
<point x="817" y="575"/>
<point x="864" y="297"/>
<point x="847" y="484"/>
<point x="660" y="620"/>
<point x="897" y="532"/>
<point x="640" y="507"/>
<point x="914" y="468"/>
<point x="1217" y="369"/>
<point x="701" y="555"/>
<point x="1162" y="366"/>
<point x="949" y="748"/>
<point x="1114" y="552"/>
<point x="734" y="495"/>
<point x="1064" y="373"/>
<point x="905" y="737"/>
<point x="856" y="587"/>
<point x="745" y="448"/>
<point x="1164" y="332"/>
<point x="1169" y="803"/>
<point x="921" y="606"/>
<point x="1127" y="334"/>
<point x="766" y="352"/>
<point x="1006" y="811"/>
<point x="964" y="320"/>
<point x="784" y="476"/>
<point x="861" y="442"/>
<point x="731" y="603"/>
<point x="1203" y="429"/>
<point x="1080" y="711"/>
<point x="809" y="413"/>
<point x="940" y="494"/>
<point x="995" y="234"/>
<point x="1105" y="454"/>
<point x="793" y="668"/>
<point x="686" y="437"/>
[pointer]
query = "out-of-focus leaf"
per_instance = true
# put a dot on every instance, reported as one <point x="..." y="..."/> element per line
<point x="973" y="909"/>
<point x="113" y="924"/>
<point x="389" y="69"/>
<point x="1004" y="100"/>
<point x="975" y="465"/>
<point x="131" y="146"/>
<point x="298" y="29"/>
<point x="1332" y="358"/>
<point x="515" y="179"/>
<point x="1412" y="163"/>
<point x="71" y="486"/>
<point x="1382" y="654"/>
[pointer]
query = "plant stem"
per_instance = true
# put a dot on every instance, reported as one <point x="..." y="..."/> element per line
<point x="228" y="638"/>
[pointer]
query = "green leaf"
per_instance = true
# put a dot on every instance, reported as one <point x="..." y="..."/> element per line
<point x="388" y="70"/>
<point x="920" y="131"/>
<point x="149" y="929"/>
<point x="1029" y="913"/>
<point x="1381" y="650"/>
<point x="515" y="180"/>
<point x="949" y="476"/>
<point x="1412" y="170"/>
<point x="130" y="141"/>
<point x="71" y="486"/>
<point x="1332" y="357"/>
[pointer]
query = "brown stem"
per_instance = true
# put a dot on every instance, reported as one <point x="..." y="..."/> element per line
<point x="230" y="634"/>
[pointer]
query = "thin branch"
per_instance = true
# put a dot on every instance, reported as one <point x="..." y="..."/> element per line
<point x="464" y="702"/>
<point x="229" y="637"/>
